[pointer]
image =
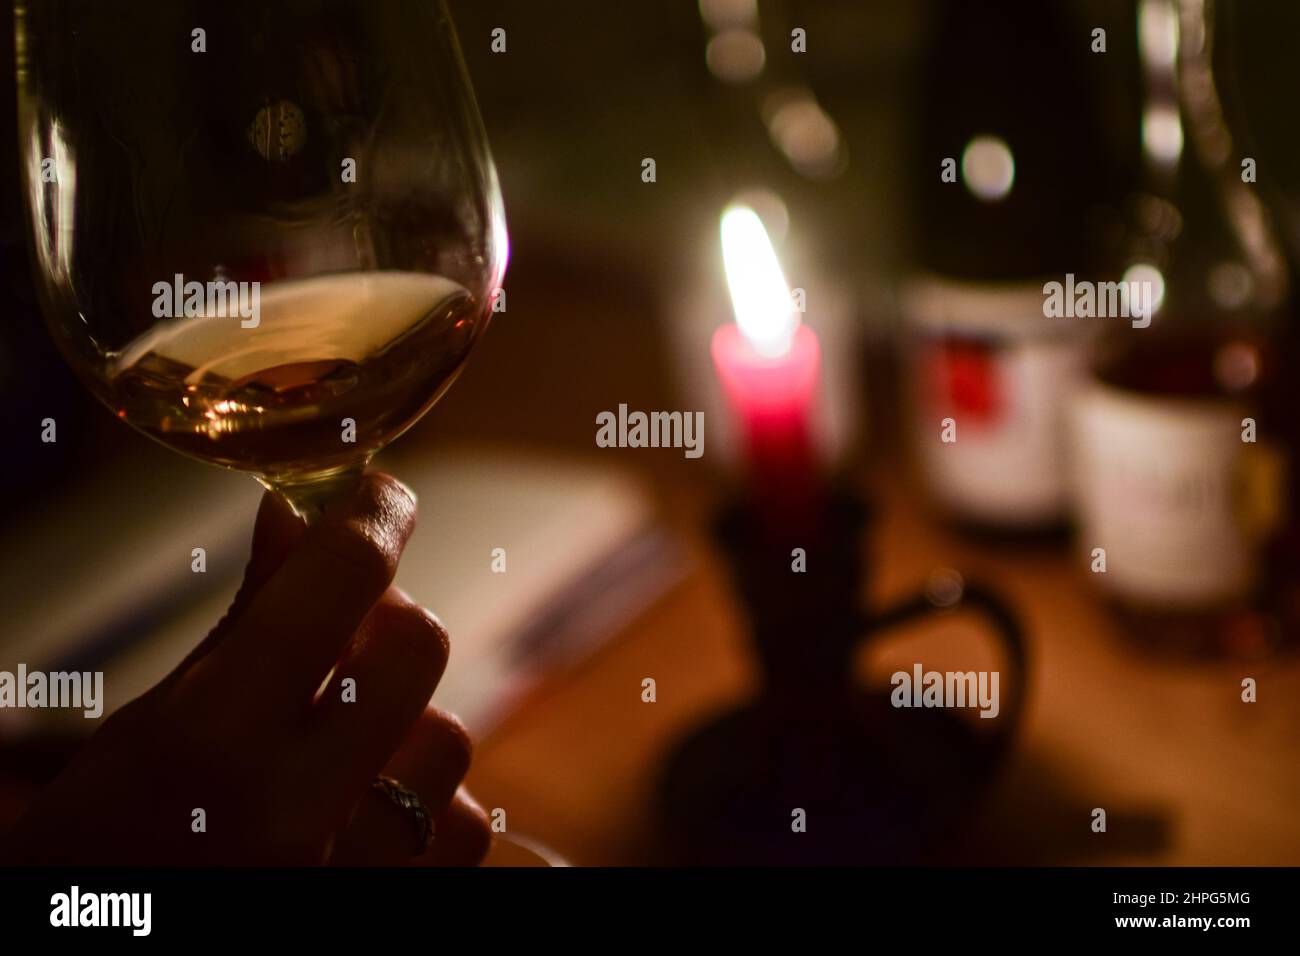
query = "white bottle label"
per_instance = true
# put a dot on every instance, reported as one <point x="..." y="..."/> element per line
<point x="984" y="356"/>
<point x="1155" y="485"/>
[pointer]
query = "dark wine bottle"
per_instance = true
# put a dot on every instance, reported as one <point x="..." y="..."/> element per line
<point x="1181" y="457"/>
<point x="1015" y="181"/>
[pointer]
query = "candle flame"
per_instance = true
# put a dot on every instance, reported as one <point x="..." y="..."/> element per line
<point x="760" y="296"/>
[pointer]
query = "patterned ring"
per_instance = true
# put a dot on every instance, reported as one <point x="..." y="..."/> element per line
<point x="409" y="801"/>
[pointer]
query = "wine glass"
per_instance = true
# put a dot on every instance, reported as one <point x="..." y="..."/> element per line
<point x="266" y="235"/>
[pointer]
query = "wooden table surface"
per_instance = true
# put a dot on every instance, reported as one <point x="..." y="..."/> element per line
<point x="1187" y="772"/>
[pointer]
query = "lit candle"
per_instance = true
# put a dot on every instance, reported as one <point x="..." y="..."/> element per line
<point x="769" y="365"/>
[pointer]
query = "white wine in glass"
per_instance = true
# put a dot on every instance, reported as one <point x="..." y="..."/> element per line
<point x="363" y="351"/>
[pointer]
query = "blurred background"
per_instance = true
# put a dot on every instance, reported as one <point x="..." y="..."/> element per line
<point x="923" y="169"/>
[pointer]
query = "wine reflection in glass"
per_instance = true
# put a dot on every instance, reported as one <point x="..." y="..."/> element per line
<point x="266" y="235"/>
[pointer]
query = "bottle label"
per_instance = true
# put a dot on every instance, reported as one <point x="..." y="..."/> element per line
<point x="1158" y="484"/>
<point x="984" y="357"/>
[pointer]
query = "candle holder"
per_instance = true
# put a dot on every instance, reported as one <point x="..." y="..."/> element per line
<point x="875" y="784"/>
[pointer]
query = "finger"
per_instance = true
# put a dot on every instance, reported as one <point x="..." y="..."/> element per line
<point x="275" y="532"/>
<point x="434" y="757"/>
<point x="462" y="834"/>
<point x="304" y="616"/>
<point x="432" y="763"/>
<point x="391" y="670"/>
<point x="380" y="833"/>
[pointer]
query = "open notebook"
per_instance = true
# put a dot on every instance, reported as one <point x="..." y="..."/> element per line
<point x="104" y="581"/>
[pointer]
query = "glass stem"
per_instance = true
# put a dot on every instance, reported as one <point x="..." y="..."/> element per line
<point x="310" y="494"/>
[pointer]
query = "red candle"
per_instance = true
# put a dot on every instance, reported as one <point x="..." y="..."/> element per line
<point x="769" y="365"/>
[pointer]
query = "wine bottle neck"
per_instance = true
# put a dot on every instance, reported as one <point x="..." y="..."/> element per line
<point x="1201" y="217"/>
